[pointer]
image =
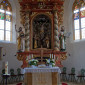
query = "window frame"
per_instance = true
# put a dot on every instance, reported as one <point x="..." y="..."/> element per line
<point x="73" y="9"/>
<point x="5" y="10"/>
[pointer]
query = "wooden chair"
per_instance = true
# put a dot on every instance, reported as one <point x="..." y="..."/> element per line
<point x="81" y="76"/>
<point x="63" y="74"/>
<point x="72" y="75"/>
<point x="3" y="79"/>
<point x="19" y="75"/>
<point x="12" y="76"/>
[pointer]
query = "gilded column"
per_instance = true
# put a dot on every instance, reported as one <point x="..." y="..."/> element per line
<point x="56" y="32"/>
<point x="27" y="32"/>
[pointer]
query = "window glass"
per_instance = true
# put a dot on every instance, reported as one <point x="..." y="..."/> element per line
<point x="77" y="34"/>
<point x="1" y="16"/>
<point x="1" y="34"/>
<point x="8" y="35"/>
<point x="76" y="24"/>
<point x="5" y="21"/>
<point x="82" y="22"/>
<point x="79" y="19"/>
<point x="8" y="25"/>
<point x="83" y="33"/>
<point x="76" y="15"/>
<point x="1" y="24"/>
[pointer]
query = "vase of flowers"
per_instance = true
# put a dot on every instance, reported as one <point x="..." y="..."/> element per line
<point x="50" y="62"/>
<point x="33" y="62"/>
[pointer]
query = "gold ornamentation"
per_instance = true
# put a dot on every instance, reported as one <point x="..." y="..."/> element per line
<point x="19" y="43"/>
<point x="20" y="57"/>
<point x="35" y="44"/>
<point x="63" y="56"/>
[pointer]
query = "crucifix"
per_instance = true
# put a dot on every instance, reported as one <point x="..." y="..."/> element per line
<point x="42" y="53"/>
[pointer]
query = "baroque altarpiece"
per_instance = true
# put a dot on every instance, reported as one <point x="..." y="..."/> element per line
<point x="41" y="20"/>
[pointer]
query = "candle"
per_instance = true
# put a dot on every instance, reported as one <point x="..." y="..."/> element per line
<point x="29" y="57"/>
<point x="50" y="55"/>
<point x="6" y="67"/>
<point x="54" y="57"/>
<point x="32" y="55"/>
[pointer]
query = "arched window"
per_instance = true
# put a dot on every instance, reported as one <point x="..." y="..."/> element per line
<point x="5" y="21"/>
<point x="79" y="19"/>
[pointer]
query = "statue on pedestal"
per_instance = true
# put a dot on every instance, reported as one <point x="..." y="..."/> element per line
<point x="62" y="38"/>
<point x="20" y="38"/>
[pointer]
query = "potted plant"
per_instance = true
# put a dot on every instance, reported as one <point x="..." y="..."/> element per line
<point x="33" y="62"/>
<point x="50" y="62"/>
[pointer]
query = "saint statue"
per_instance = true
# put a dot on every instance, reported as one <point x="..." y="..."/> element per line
<point x="20" y="38"/>
<point x="62" y="38"/>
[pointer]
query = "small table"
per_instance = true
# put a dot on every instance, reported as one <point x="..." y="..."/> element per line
<point x="5" y="76"/>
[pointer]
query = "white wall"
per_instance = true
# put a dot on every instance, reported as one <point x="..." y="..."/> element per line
<point x="75" y="49"/>
<point x="11" y="48"/>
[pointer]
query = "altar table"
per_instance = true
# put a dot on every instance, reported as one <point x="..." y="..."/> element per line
<point x="42" y="76"/>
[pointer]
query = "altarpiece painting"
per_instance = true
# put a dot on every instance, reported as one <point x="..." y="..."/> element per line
<point x="42" y="32"/>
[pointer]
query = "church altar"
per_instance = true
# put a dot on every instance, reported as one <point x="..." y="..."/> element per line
<point x="40" y="35"/>
<point x="42" y="76"/>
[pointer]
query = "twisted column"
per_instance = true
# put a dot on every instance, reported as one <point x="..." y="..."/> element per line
<point x="56" y="33"/>
<point x="27" y="32"/>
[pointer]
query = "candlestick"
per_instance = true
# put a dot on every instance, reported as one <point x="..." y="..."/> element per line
<point x="6" y="67"/>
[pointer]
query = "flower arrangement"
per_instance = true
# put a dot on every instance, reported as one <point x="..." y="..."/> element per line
<point x="33" y="62"/>
<point x="50" y="62"/>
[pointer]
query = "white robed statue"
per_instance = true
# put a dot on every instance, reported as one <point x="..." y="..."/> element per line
<point x="62" y="38"/>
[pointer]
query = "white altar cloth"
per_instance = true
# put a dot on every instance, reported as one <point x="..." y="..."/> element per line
<point x="33" y="70"/>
